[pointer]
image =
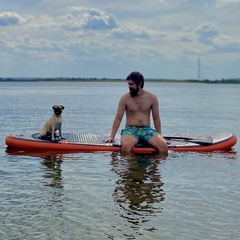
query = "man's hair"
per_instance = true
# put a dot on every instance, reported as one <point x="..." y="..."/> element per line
<point x="137" y="78"/>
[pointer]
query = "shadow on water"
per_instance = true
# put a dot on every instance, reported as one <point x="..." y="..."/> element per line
<point x="138" y="190"/>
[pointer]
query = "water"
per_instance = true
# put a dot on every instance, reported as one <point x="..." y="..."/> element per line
<point x="104" y="196"/>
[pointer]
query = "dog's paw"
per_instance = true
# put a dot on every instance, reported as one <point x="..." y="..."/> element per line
<point x="44" y="137"/>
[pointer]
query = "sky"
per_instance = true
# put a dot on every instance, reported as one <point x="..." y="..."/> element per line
<point x="163" y="39"/>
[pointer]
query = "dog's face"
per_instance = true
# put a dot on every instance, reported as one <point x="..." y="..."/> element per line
<point x="58" y="109"/>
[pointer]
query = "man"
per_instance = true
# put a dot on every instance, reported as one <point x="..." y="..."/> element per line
<point x="138" y="104"/>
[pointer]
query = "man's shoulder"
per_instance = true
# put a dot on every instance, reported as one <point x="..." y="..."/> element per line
<point x="149" y="93"/>
<point x="126" y="95"/>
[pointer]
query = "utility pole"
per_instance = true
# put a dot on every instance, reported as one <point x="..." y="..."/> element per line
<point x="199" y="68"/>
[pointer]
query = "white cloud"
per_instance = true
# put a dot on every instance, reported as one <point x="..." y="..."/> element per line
<point x="80" y="18"/>
<point x="97" y="20"/>
<point x="206" y="33"/>
<point x="11" y="18"/>
<point x="131" y="33"/>
<point x="227" y="44"/>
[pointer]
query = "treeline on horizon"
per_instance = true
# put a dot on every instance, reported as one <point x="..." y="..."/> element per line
<point x="61" y="79"/>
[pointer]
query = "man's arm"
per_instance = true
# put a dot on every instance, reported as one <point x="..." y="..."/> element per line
<point x="117" y="120"/>
<point x="156" y="116"/>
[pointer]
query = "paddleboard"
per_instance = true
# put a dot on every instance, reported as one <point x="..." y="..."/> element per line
<point x="88" y="142"/>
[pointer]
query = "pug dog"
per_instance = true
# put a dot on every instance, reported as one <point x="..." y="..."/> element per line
<point x="53" y="124"/>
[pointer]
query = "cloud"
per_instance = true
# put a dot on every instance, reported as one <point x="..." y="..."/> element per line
<point x="21" y="3"/>
<point x="28" y="47"/>
<point x="131" y="33"/>
<point x="226" y="44"/>
<point x="99" y="20"/>
<point x="117" y="34"/>
<point x="206" y="33"/>
<point x="10" y="18"/>
<point x="224" y="3"/>
<point x="40" y="44"/>
<point x="80" y="18"/>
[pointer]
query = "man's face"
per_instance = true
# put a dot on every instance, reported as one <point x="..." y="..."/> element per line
<point x="133" y="88"/>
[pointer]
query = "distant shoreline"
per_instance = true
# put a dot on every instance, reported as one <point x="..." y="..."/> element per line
<point x="222" y="81"/>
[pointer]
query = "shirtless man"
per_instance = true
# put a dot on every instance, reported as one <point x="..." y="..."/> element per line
<point x="138" y="105"/>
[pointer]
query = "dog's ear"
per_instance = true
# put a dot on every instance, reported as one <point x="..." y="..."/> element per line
<point x="53" y="106"/>
<point x="62" y="107"/>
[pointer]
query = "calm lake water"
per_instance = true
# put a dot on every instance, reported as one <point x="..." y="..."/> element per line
<point x="104" y="196"/>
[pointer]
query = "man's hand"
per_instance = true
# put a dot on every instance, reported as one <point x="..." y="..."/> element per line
<point x="108" y="140"/>
<point x="167" y="141"/>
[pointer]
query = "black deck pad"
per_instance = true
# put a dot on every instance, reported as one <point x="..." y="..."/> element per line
<point x="98" y="139"/>
<point x="76" y="137"/>
<point x="85" y="138"/>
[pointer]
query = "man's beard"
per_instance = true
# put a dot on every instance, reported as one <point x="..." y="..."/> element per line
<point x="133" y="92"/>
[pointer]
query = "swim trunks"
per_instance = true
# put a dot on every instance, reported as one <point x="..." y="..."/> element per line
<point x="140" y="133"/>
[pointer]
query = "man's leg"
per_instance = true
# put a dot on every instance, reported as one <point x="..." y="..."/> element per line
<point x="128" y="142"/>
<point x="159" y="142"/>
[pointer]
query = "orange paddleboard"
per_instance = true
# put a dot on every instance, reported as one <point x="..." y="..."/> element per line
<point x="88" y="142"/>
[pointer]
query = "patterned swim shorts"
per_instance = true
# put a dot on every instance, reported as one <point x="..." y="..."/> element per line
<point x="140" y="133"/>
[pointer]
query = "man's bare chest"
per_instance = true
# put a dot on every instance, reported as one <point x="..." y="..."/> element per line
<point x="139" y="105"/>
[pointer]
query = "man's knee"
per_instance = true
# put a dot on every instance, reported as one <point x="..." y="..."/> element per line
<point x="126" y="148"/>
<point x="127" y="143"/>
<point x="163" y="148"/>
<point x="158" y="142"/>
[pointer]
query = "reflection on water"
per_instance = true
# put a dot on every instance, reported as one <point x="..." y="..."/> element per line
<point x="227" y="154"/>
<point x="53" y="171"/>
<point x="138" y="190"/>
<point x="57" y="196"/>
<point x="51" y="160"/>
